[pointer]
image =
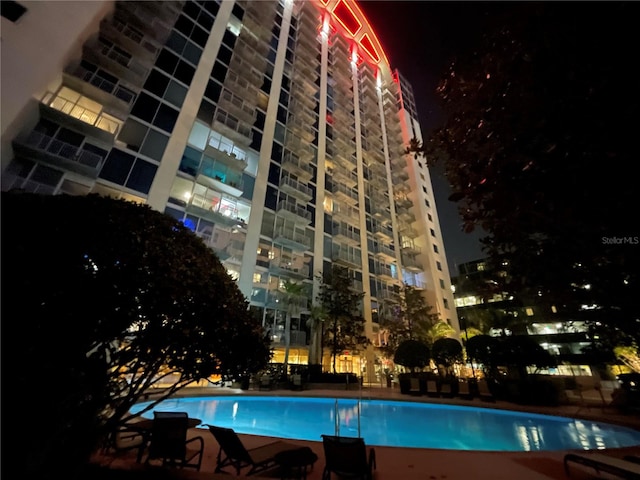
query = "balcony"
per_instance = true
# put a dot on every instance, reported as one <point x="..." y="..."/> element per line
<point x="245" y="70"/>
<point x="382" y="232"/>
<point x="41" y="147"/>
<point x="232" y="128"/>
<point x="384" y="272"/>
<point x="399" y="175"/>
<point x="237" y="107"/>
<point x="385" y="253"/>
<point x="295" y="189"/>
<point x="345" y="194"/>
<point x="345" y="235"/>
<point x="112" y="96"/>
<point x="410" y="264"/>
<point x="409" y="247"/>
<point x="146" y="21"/>
<point x="346" y="258"/>
<point x="130" y="39"/>
<point x="346" y="177"/>
<point x="119" y="64"/>
<point x="240" y="85"/>
<point x="226" y="158"/>
<point x="408" y="230"/>
<point x="292" y="238"/>
<point x="90" y="123"/>
<point x="293" y="211"/>
<point x="292" y="163"/>
<point x="289" y="268"/>
<point x="202" y="206"/>
<point x="302" y="128"/>
<point x="345" y="213"/>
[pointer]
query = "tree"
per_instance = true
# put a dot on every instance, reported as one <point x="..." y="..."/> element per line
<point x="341" y="305"/>
<point x="115" y="298"/>
<point x="295" y="299"/>
<point x="484" y="349"/>
<point x="412" y="354"/>
<point x="540" y="131"/>
<point x="407" y="317"/>
<point x="518" y="352"/>
<point x="446" y="352"/>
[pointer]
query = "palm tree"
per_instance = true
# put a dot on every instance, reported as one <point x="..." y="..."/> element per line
<point x="294" y="298"/>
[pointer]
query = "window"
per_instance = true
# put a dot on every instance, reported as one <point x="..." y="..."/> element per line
<point x="12" y="11"/>
<point x="442" y="283"/>
<point x="446" y="303"/>
<point x="435" y="249"/>
<point x="426" y="202"/>
<point x="438" y="265"/>
<point x="433" y="232"/>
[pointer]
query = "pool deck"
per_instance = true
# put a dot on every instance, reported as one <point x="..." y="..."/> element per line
<point x="425" y="464"/>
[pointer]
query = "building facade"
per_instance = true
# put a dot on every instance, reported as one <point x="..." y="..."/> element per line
<point x="275" y="130"/>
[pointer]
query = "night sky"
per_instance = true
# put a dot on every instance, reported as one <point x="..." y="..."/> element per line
<point x="419" y="38"/>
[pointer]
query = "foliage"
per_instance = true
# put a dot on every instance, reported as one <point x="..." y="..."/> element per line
<point x="540" y="129"/>
<point x="116" y="297"/>
<point x="520" y="351"/>
<point x="340" y="302"/>
<point x="447" y="352"/>
<point x="294" y="299"/>
<point x="412" y="354"/>
<point x="629" y="356"/>
<point x="440" y="330"/>
<point x="484" y="349"/>
<point x="407" y="317"/>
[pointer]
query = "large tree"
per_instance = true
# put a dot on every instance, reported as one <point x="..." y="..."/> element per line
<point x="110" y="298"/>
<point x="539" y="137"/>
<point x="407" y="316"/>
<point x="341" y="304"/>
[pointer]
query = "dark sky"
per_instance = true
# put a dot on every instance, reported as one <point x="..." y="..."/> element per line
<point x="419" y="38"/>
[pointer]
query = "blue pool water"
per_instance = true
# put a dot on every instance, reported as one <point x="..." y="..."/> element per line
<point x="400" y="424"/>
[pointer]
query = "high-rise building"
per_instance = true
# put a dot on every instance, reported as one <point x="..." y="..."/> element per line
<point x="274" y="129"/>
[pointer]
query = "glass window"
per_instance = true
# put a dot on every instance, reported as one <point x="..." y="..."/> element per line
<point x="116" y="167"/>
<point x="192" y="53"/>
<point x="142" y="176"/>
<point x="181" y="191"/>
<point x="199" y="135"/>
<point x="156" y="82"/>
<point x="132" y="134"/>
<point x="184" y="72"/>
<point x="176" y="94"/>
<point x="206" y="112"/>
<point x="166" y="118"/>
<point x="154" y="145"/>
<point x="145" y="107"/>
<point x="176" y="42"/>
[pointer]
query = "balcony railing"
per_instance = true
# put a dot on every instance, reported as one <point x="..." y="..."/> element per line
<point x="61" y="153"/>
<point x="293" y="211"/>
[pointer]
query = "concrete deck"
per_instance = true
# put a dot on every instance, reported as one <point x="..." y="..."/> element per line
<point x="424" y="464"/>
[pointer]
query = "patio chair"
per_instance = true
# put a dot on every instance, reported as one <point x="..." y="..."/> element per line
<point x="414" y="387"/>
<point x="463" y="389"/>
<point x="432" y="388"/>
<point x="347" y="457"/>
<point x="169" y="443"/>
<point x="266" y="382"/>
<point x="604" y="464"/>
<point x="484" y="392"/>
<point x="233" y="453"/>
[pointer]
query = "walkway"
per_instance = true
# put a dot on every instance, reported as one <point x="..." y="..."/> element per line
<point x="427" y="464"/>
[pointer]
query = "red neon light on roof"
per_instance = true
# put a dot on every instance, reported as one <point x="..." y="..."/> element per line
<point x="365" y="42"/>
<point x="324" y="2"/>
<point x="347" y="18"/>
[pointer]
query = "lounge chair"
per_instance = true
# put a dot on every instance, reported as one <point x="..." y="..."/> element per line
<point x="347" y="457"/>
<point x="484" y="392"/>
<point x="463" y="389"/>
<point x="234" y="454"/>
<point x="604" y="464"/>
<point x="414" y="388"/>
<point x="266" y="382"/>
<point x="445" y="390"/>
<point x="432" y="388"/>
<point x="169" y="442"/>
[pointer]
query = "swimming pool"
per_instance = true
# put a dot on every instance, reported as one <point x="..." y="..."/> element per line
<point x="400" y="424"/>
